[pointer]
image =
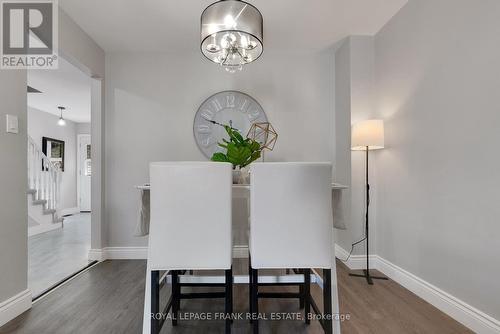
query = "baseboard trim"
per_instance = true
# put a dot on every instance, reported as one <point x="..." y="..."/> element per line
<point x="240" y="252"/>
<point x="34" y="230"/>
<point x="139" y="253"/>
<point x="118" y="253"/>
<point x="96" y="255"/>
<point x="459" y="310"/>
<point x="468" y="315"/>
<point x="15" y="306"/>
<point x="355" y="262"/>
<point x="124" y="253"/>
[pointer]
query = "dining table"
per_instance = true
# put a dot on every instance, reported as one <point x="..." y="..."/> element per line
<point x="240" y="191"/>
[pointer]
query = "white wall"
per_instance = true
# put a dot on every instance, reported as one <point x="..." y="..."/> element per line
<point x="343" y="138"/>
<point x="438" y="76"/>
<point x="354" y="60"/>
<point x="42" y="124"/>
<point x="83" y="128"/>
<point x="13" y="180"/>
<point x="151" y="103"/>
<point x="78" y="48"/>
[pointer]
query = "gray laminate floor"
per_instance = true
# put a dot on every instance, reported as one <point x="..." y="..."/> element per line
<point x="57" y="254"/>
<point x="108" y="298"/>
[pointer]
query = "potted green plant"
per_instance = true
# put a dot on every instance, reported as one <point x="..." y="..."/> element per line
<point x="240" y="152"/>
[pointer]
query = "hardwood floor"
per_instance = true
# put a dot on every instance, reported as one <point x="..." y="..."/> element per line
<point x="57" y="254"/>
<point x="109" y="299"/>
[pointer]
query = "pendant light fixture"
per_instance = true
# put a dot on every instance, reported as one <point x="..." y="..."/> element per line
<point x="231" y="34"/>
<point x="61" y="121"/>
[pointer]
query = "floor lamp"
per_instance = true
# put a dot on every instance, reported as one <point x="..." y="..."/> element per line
<point x="367" y="136"/>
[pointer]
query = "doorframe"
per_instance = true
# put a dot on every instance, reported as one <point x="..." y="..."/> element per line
<point x="78" y="167"/>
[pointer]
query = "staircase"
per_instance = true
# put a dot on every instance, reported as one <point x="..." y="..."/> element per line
<point x="44" y="185"/>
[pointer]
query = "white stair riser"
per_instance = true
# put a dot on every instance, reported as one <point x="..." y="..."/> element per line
<point x="38" y="214"/>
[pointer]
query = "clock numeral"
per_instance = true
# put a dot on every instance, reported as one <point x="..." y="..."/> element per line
<point x="253" y="115"/>
<point x="230" y="101"/>
<point x="244" y="105"/>
<point x="216" y="104"/>
<point x="204" y="129"/>
<point x="207" y="142"/>
<point x="207" y="114"/>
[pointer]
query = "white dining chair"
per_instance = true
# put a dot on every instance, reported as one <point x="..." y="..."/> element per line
<point x="291" y="227"/>
<point x="190" y="229"/>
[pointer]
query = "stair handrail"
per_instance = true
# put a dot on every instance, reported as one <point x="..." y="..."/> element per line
<point x="43" y="177"/>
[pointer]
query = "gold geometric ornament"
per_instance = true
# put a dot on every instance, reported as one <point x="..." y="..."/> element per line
<point x="263" y="133"/>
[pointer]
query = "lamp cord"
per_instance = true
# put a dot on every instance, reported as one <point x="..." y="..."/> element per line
<point x="352" y="249"/>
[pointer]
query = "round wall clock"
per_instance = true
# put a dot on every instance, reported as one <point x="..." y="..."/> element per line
<point x="229" y="107"/>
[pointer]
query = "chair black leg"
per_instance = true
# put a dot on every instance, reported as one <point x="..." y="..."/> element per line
<point x="250" y="288"/>
<point x="307" y="295"/>
<point x="155" y="302"/>
<point x="231" y="309"/>
<point x="301" y="292"/>
<point x="175" y="297"/>
<point x="229" y="299"/>
<point x="327" y="300"/>
<point x="255" y="300"/>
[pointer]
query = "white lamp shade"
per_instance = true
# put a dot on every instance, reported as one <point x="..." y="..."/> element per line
<point x="369" y="134"/>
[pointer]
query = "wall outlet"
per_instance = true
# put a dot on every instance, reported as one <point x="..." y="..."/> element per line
<point x="12" y="124"/>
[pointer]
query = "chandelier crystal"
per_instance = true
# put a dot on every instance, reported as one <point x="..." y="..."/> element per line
<point x="231" y="34"/>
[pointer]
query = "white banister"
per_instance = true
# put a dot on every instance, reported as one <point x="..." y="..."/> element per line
<point x="43" y="177"/>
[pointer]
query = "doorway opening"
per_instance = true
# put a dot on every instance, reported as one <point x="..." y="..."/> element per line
<point x="84" y="172"/>
<point x="59" y="174"/>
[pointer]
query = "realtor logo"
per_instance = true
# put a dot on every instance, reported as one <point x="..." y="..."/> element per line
<point x="28" y="34"/>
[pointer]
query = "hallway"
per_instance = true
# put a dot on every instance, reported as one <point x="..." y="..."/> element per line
<point x="57" y="254"/>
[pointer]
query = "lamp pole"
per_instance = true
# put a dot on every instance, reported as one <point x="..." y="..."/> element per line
<point x="366" y="272"/>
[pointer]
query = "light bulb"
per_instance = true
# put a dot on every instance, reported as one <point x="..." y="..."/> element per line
<point x="61" y="122"/>
<point x="243" y="42"/>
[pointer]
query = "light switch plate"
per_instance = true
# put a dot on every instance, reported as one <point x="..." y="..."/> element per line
<point x="12" y="124"/>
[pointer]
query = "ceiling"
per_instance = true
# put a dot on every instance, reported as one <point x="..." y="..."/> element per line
<point x="67" y="86"/>
<point x="173" y="26"/>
